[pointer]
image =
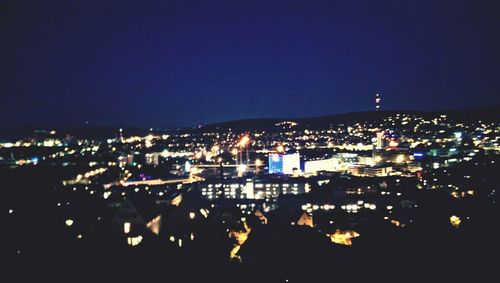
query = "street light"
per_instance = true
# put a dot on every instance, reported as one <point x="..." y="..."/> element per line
<point x="244" y="141"/>
<point x="258" y="162"/>
<point x="244" y="144"/>
<point x="280" y="148"/>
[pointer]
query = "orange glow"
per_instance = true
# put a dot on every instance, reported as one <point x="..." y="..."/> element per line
<point x="244" y="141"/>
<point x="396" y="223"/>
<point x="204" y="212"/>
<point x="455" y="221"/>
<point x="240" y="238"/>
<point x="400" y="158"/>
<point x="393" y="143"/>
<point x="305" y="220"/>
<point x="261" y="216"/>
<point x="155" y="225"/>
<point x="177" y="200"/>
<point x="343" y="237"/>
<point x="258" y="162"/>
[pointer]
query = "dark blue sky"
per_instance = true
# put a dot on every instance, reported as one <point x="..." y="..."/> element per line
<point x="184" y="63"/>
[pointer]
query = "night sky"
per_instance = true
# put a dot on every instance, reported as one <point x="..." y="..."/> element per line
<point x="185" y="63"/>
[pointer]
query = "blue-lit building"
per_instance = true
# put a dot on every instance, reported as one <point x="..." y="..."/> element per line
<point x="275" y="163"/>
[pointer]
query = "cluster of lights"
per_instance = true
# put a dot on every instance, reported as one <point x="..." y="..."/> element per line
<point x="308" y="207"/>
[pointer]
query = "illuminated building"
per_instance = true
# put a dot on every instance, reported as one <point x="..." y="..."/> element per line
<point x="339" y="162"/>
<point x="251" y="189"/>
<point x="369" y="171"/>
<point x="330" y="164"/>
<point x="380" y="140"/>
<point x="127" y="218"/>
<point x="153" y="158"/>
<point x="283" y="163"/>
<point x="276" y="163"/>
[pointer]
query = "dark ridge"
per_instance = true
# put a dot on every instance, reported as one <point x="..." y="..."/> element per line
<point x="485" y="114"/>
<point x="96" y="133"/>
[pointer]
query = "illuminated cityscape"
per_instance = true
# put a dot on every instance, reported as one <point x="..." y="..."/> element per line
<point x="181" y="190"/>
<point x="220" y="188"/>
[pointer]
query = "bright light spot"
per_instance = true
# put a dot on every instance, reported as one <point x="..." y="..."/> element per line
<point x="215" y="148"/>
<point x="240" y="238"/>
<point x="400" y="158"/>
<point x="393" y="144"/>
<point x="455" y="221"/>
<point x="68" y="222"/>
<point x="258" y="162"/>
<point x="244" y="141"/>
<point x="396" y="223"/>
<point x="343" y="237"/>
<point x="242" y="168"/>
<point x="134" y="241"/>
<point x="192" y="215"/>
<point x="204" y="212"/>
<point x="127" y="226"/>
<point x="106" y="195"/>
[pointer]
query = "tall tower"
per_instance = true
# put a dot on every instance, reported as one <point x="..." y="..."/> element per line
<point x="121" y="135"/>
<point x="378" y="102"/>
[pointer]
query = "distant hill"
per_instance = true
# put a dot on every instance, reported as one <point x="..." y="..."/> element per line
<point x="487" y="114"/>
<point x="97" y="133"/>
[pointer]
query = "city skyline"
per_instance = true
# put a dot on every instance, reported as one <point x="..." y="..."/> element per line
<point x="175" y="65"/>
<point x="250" y="141"/>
